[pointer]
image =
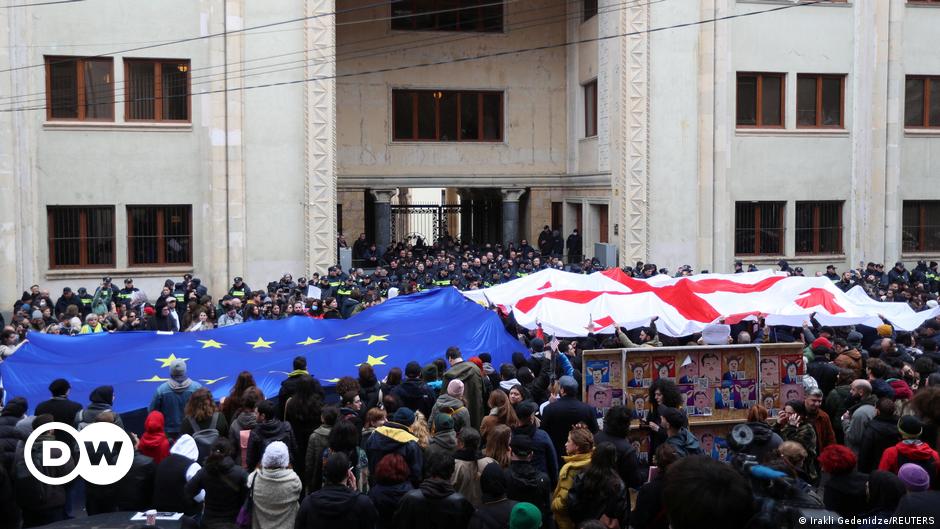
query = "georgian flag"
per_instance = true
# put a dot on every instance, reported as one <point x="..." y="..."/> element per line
<point x="567" y="304"/>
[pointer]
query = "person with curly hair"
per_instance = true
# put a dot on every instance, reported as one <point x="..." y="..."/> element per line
<point x="662" y="392"/>
<point x="201" y="413"/>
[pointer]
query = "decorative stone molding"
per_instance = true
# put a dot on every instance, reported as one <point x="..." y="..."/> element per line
<point x="512" y="194"/>
<point x="635" y="115"/>
<point x="383" y="196"/>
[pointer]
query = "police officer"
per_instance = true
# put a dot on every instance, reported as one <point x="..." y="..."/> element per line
<point x="86" y="300"/>
<point x="442" y="279"/>
<point x="125" y="294"/>
<point x="239" y="289"/>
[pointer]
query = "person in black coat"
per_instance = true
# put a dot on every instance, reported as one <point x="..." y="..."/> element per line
<point x="559" y="416"/>
<point x="337" y="504"/>
<point x="414" y="393"/>
<point x="845" y="491"/>
<point x="391" y="484"/>
<point x="289" y="385"/>
<point x="135" y="490"/>
<point x="880" y="434"/>
<point x="574" y="247"/>
<point x="650" y="511"/>
<point x="60" y="407"/>
<point x="12" y="413"/>
<point x="496" y="509"/>
<point x="435" y="504"/>
<point x="266" y="431"/>
<point x="525" y="482"/>
<point x="225" y="485"/>
<point x="616" y="428"/>
<point x="10" y="517"/>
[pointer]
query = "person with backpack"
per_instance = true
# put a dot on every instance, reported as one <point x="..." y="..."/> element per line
<point x="414" y="392"/>
<point x="317" y="442"/>
<point x="451" y="403"/>
<point x="912" y="450"/>
<point x="274" y="490"/>
<point x="225" y="486"/>
<point x="101" y="399"/>
<point x="469" y="463"/>
<point x="171" y="398"/>
<point x="268" y="430"/>
<point x="344" y="437"/>
<point x="154" y="442"/>
<point x="243" y="423"/>
<point x="171" y="477"/>
<point x="39" y="502"/>
<point x="203" y="421"/>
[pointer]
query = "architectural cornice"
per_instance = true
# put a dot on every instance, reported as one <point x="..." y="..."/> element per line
<point x="469" y="180"/>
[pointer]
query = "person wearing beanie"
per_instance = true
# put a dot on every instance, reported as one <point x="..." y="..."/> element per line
<point x="472" y="377"/>
<point x="496" y="510"/>
<point x="429" y="374"/>
<point x="819" y="367"/>
<point x="885" y="331"/>
<point x="413" y="392"/>
<point x="544" y="457"/>
<point x="443" y="436"/>
<point x="154" y="442"/>
<point x="880" y="434"/>
<point x="925" y="503"/>
<point x="60" y="407"/>
<point x="912" y="450"/>
<point x="560" y="416"/>
<point x="338" y="503"/>
<point x="914" y="477"/>
<point x="525" y="482"/>
<point x="171" y="397"/>
<point x="844" y="492"/>
<point x="451" y="403"/>
<point x="848" y="355"/>
<point x="275" y="489"/>
<point x="101" y="400"/>
<point x="395" y="437"/>
<point x="525" y="516"/>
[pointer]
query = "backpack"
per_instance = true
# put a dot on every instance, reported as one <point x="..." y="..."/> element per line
<point x="243" y="436"/>
<point x="81" y="420"/>
<point x="929" y="465"/>
<point x="205" y="437"/>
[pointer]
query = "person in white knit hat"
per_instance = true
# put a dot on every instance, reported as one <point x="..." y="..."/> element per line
<point x="275" y="489"/>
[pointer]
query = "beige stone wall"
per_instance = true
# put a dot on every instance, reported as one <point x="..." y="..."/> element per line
<point x="353" y="213"/>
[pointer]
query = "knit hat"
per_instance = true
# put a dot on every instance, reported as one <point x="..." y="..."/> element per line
<point x="537" y="345"/>
<point x="59" y="387"/>
<point x="404" y="416"/>
<point x="568" y="383"/>
<point x="455" y="388"/>
<point x="885" y="330"/>
<point x="521" y="445"/>
<point x="493" y="480"/>
<point x="914" y="477"/>
<point x="821" y="343"/>
<point x="443" y="422"/>
<point x="429" y="372"/>
<point x="854" y="338"/>
<point x="36" y="315"/>
<point x="178" y="370"/>
<point x="275" y="456"/>
<point x="525" y="516"/>
<point x="910" y="427"/>
<point x="149" y="311"/>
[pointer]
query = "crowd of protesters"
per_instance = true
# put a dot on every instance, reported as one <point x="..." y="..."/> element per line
<point x="461" y="443"/>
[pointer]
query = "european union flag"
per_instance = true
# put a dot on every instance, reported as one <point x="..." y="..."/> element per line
<point x="416" y="327"/>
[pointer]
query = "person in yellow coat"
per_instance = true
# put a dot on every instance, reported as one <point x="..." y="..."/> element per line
<point x="579" y="447"/>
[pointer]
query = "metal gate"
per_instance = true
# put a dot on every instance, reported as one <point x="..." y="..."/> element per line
<point x="430" y="222"/>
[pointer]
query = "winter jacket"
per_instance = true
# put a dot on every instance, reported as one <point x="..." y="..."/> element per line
<point x="10" y="516"/>
<point x="317" y="442"/>
<point x="243" y="422"/>
<point x="860" y="414"/>
<point x="763" y="445"/>
<point x="415" y="394"/>
<point x="492" y="515"/>
<point x="37" y="499"/>
<point x="835" y="406"/>
<point x="524" y="482"/>
<point x="443" y="441"/>
<point x="454" y="407"/>
<point x="612" y="501"/>
<point x="302" y="428"/>
<point x="172" y="475"/>
<point x="275" y="493"/>
<point x="170" y="399"/>
<point x="225" y="490"/>
<point x="824" y="373"/>
<point x="266" y="433"/>
<point x="804" y="434"/>
<point x="433" y="505"/>
<point x="684" y="442"/>
<point x="385" y="498"/>
<point x="468" y="467"/>
<point x="472" y="379"/>
<point x="394" y="438"/>
<point x="154" y="443"/>
<point x="62" y="410"/>
<point x="880" y="435"/>
<point x="574" y="465"/>
<point x="926" y="503"/>
<point x="135" y="490"/>
<point x="650" y="511"/>
<point x="221" y="425"/>
<point x="289" y="387"/>
<point x="825" y="436"/>
<point x="846" y="494"/>
<point x="336" y="506"/>
<point x="850" y="359"/>
<point x="544" y="457"/>
<point x="628" y="463"/>
<point x="370" y="395"/>
<point x="912" y="451"/>
<point x="10" y="436"/>
<point x="559" y="416"/>
<point x="90" y="414"/>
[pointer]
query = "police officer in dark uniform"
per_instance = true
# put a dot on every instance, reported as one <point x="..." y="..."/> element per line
<point x="86" y="300"/>
<point x="442" y="279"/>
<point x="239" y="289"/>
<point x="125" y="294"/>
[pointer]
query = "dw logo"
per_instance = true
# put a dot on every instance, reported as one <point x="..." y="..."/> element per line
<point x="106" y="453"/>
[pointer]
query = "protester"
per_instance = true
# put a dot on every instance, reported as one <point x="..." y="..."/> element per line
<point x="224" y="484"/>
<point x="472" y="378"/>
<point x="435" y="504"/>
<point x="578" y="447"/>
<point x="912" y="450"/>
<point x="338" y="503"/>
<point x="650" y="512"/>
<point x="525" y="482"/>
<point x="274" y="490"/>
<point x="469" y="463"/>
<point x="560" y="416"/>
<point x="598" y="493"/>
<point x="451" y="403"/>
<point x="171" y="397"/>
<point x="40" y="502"/>
<point x="395" y="437"/>
<point x="268" y="430"/>
<point x="496" y="509"/>
<point x="154" y="442"/>
<point x="845" y="490"/>
<point x="391" y="484"/>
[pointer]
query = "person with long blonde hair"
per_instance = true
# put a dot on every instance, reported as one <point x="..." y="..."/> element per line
<point x="579" y="447"/>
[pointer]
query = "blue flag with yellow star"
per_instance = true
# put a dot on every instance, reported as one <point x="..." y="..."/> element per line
<point x="416" y="327"/>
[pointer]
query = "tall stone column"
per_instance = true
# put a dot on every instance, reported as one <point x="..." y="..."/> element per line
<point x="383" y="216"/>
<point x="511" y="214"/>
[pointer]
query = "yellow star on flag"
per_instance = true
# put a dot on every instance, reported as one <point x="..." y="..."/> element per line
<point x="210" y="343"/>
<point x="210" y="381"/>
<point x="375" y="338"/>
<point x="310" y="341"/>
<point x="154" y="378"/>
<point x="168" y="361"/>
<point x="260" y="344"/>
<point x="348" y="336"/>
<point x="332" y="380"/>
<point x="375" y="361"/>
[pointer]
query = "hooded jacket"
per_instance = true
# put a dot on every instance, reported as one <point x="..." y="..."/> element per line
<point x="850" y="359"/>
<point x="153" y="442"/>
<point x="243" y="422"/>
<point x="394" y="438"/>
<point x="170" y="399"/>
<point x="574" y="465"/>
<point x="454" y="407"/>
<point x="225" y="491"/>
<point x="880" y="435"/>
<point x="318" y="441"/>
<point x="434" y="505"/>
<point x="526" y="483"/>
<point x="266" y="433"/>
<point x="444" y="441"/>
<point x="684" y="442"/>
<point x="846" y="494"/>
<point x="101" y="399"/>
<point x="472" y="379"/>
<point x="275" y="492"/>
<point x="385" y="498"/>
<point x="31" y="494"/>
<point x="172" y="475"/>
<point x="336" y="506"/>
<point x="415" y="394"/>
<point x="910" y="451"/>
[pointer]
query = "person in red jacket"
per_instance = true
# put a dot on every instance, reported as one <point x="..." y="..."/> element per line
<point x="911" y="450"/>
<point x="154" y="442"/>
